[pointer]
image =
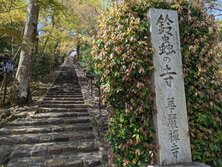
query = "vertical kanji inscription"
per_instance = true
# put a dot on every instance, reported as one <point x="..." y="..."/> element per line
<point x="170" y="120"/>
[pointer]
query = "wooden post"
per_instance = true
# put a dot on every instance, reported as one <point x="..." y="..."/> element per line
<point x="5" y="86"/>
<point x="100" y="108"/>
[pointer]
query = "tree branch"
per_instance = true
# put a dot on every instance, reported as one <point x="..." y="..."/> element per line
<point x="6" y="11"/>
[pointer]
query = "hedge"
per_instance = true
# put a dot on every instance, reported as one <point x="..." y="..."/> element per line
<point x="123" y="56"/>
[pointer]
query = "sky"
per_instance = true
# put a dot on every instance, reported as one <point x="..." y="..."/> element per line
<point x="218" y="13"/>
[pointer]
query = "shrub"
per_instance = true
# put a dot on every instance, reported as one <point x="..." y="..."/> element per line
<point x="123" y="54"/>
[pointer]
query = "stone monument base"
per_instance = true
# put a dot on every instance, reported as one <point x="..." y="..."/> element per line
<point x="192" y="164"/>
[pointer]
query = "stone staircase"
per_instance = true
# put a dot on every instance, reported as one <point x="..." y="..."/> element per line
<point x="59" y="134"/>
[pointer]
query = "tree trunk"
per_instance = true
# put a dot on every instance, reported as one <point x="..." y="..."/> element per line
<point x="35" y="33"/>
<point x="78" y="50"/>
<point x="21" y="87"/>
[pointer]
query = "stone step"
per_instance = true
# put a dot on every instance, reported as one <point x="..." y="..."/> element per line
<point x="48" y="121"/>
<point x="64" y="105"/>
<point x="93" y="159"/>
<point x="65" y="85"/>
<point x="64" y="98"/>
<point x="60" y="115"/>
<point x="65" y="89"/>
<point x="55" y="102"/>
<point x="62" y="87"/>
<point x="54" y="110"/>
<point x="45" y="138"/>
<point x="69" y="81"/>
<point x="78" y="127"/>
<point x="49" y="149"/>
<point x="63" y="92"/>
<point x="58" y="133"/>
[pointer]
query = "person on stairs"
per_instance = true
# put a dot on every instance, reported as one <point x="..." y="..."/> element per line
<point x="72" y="56"/>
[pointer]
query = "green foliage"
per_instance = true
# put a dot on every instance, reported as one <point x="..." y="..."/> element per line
<point x="42" y="65"/>
<point x="220" y="30"/>
<point x="123" y="56"/>
<point x="12" y="16"/>
<point x="60" y="23"/>
<point x="85" y="59"/>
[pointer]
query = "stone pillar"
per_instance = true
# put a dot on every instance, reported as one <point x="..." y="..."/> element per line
<point x="170" y="119"/>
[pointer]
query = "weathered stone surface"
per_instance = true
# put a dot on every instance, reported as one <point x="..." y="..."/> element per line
<point x="105" y="158"/>
<point x="19" y="131"/>
<point x="193" y="164"/>
<point x="39" y="130"/>
<point x="54" y="150"/>
<point x="54" y="110"/>
<point x="5" y="131"/>
<point x="75" y="137"/>
<point x="45" y="138"/>
<point x="18" y="164"/>
<point x="5" y="152"/>
<point x="87" y="147"/>
<point x="39" y="151"/>
<point x="72" y="148"/>
<point x="30" y="139"/>
<point x="65" y="114"/>
<point x="89" y="136"/>
<point x="15" y="130"/>
<point x="21" y="152"/>
<point x="8" y="141"/>
<point x="170" y="120"/>
<point x="40" y="121"/>
<point x="55" y="121"/>
<point x="60" y="137"/>
<point x="76" y="163"/>
<point x="81" y="136"/>
<point x="38" y="164"/>
<point x="58" y="129"/>
<point x="92" y="162"/>
<point x="55" y="162"/>
<point x="76" y="120"/>
<point x="53" y="102"/>
<point x="64" y="98"/>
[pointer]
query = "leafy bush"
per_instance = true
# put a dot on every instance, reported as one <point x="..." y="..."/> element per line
<point x="123" y="54"/>
<point x="45" y="63"/>
<point x="85" y="59"/>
